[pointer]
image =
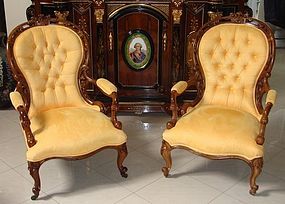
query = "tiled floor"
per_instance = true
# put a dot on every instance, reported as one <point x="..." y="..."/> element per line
<point x="193" y="179"/>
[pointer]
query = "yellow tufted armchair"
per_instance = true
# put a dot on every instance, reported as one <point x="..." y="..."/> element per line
<point x="49" y="60"/>
<point x="233" y="58"/>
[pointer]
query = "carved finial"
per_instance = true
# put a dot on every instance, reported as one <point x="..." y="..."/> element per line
<point x="61" y="16"/>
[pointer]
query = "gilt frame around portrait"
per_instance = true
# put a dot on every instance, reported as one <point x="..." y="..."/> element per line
<point x="138" y="50"/>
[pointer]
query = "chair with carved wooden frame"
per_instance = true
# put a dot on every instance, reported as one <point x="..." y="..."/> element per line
<point x="232" y="61"/>
<point x="50" y="62"/>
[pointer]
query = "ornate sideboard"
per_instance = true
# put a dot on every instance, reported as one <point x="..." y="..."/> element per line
<point x="140" y="45"/>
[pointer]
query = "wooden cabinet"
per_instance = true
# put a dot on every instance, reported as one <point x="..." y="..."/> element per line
<point x="162" y="27"/>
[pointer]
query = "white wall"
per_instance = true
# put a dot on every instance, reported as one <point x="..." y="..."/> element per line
<point x="15" y="11"/>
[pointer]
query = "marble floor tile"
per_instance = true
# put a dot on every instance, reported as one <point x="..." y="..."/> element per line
<point x="178" y="190"/>
<point x="85" y="190"/>
<point x="142" y="170"/>
<point x="219" y="174"/>
<point x="271" y="190"/>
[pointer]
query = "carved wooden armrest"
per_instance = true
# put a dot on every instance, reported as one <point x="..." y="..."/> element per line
<point x="110" y="90"/>
<point x="177" y="90"/>
<point x="270" y="100"/>
<point x="18" y="103"/>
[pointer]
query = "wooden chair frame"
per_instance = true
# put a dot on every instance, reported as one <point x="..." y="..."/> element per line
<point x="197" y="79"/>
<point x="83" y="82"/>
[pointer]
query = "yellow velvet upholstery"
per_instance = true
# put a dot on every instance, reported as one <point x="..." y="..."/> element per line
<point x="49" y="58"/>
<point x="180" y="87"/>
<point x="71" y="131"/>
<point x="16" y="99"/>
<point x="106" y="86"/>
<point x="217" y="130"/>
<point x="232" y="57"/>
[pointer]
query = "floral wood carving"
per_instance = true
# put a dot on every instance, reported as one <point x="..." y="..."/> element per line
<point x="98" y="2"/>
<point x="61" y="16"/>
<point x="194" y="24"/>
<point x="99" y="13"/>
<point x="82" y="23"/>
<point x="177" y="3"/>
<point x="176" y="15"/>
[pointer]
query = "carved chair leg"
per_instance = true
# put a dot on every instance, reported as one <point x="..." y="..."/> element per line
<point x="166" y="154"/>
<point x="122" y="154"/>
<point x="34" y="167"/>
<point x="256" y="168"/>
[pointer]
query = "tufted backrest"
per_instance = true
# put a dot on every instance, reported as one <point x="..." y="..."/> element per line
<point x="232" y="57"/>
<point x="49" y="57"/>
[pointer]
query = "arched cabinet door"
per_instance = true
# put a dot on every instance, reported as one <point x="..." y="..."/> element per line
<point x="137" y="58"/>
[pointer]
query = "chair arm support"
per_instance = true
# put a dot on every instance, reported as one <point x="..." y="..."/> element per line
<point x="263" y="122"/>
<point x="270" y="100"/>
<point x="114" y="109"/>
<point x="18" y="104"/>
<point x="174" y="108"/>
<point x="110" y="90"/>
<point x="25" y="123"/>
<point x="177" y="90"/>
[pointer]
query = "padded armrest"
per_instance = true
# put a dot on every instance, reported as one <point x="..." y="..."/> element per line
<point x="271" y="96"/>
<point x="106" y="86"/>
<point x="16" y="99"/>
<point x="180" y="87"/>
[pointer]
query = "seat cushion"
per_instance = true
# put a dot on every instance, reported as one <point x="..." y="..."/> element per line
<point x="218" y="131"/>
<point x="71" y="131"/>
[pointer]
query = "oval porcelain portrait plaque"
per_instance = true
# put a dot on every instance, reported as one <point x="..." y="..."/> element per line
<point x="138" y="50"/>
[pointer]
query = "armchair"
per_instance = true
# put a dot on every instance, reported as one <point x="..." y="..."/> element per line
<point x="49" y="59"/>
<point x="232" y="61"/>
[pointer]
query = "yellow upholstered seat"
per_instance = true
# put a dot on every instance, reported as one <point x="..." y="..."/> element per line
<point x="50" y="62"/>
<point x="231" y="63"/>
<point x="72" y="131"/>
<point x="212" y="130"/>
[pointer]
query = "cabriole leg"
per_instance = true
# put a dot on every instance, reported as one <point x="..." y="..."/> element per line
<point x="256" y="168"/>
<point x="122" y="154"/>
<point x="34" y="172"/>
<point x="166" y="154"/>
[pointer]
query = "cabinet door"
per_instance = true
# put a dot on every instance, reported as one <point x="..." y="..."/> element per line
<point x="136" y="59"/>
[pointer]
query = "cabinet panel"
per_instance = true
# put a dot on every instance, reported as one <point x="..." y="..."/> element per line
<point x="144" y="77"/>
